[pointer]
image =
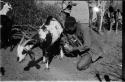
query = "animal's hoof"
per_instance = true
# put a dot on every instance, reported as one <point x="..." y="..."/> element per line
<point x="60" y="58"/>
<point x="26" y="69"/>
<point x="107" y="78"/>
<point x="38" y="66"/>
<point x="47" y="69"/>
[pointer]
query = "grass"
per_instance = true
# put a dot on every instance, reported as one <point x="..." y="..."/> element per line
<point x="27" y="12"/>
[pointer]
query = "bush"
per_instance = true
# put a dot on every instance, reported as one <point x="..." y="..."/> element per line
<point x="26" y="12"/>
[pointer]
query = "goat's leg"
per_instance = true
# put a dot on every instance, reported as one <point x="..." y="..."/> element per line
<point x="61" y="48"/>
<point x="47" y="65"/>
<point x="44" y="56"/>
<point x="32" y="56"/>
<point x="44" y="59"/>
<point x="49" y="60"/>
<point x="61" y="53"/>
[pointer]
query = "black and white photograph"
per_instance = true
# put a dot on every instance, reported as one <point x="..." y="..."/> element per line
<point x="61" y="40"/>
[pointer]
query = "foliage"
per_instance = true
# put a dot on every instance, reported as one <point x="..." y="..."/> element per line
<point x="27" y="12"/>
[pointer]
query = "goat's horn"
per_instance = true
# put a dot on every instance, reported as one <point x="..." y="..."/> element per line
<point x="21" y="39"/>
<point x="26" y="42"/>
<point x="24" y="34"/>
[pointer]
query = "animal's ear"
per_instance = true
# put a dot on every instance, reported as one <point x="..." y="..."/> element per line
<point x="49" y="18"/>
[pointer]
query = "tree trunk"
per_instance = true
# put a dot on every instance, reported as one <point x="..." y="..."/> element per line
<point x="102" y="4"/>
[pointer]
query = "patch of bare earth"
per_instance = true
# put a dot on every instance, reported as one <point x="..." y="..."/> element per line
<point x="111" y="63"/>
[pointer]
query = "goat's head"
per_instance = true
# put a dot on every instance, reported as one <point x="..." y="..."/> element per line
<point x="22" y="49"/>
<point x="6" y="7"/>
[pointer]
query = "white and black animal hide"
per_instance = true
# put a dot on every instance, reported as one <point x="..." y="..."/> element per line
<point x="52" y="29"/>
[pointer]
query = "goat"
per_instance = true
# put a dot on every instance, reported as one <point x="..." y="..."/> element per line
<point x="47" y="38"/>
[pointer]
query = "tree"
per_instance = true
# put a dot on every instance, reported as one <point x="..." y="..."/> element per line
<point x="101" y="5"/>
